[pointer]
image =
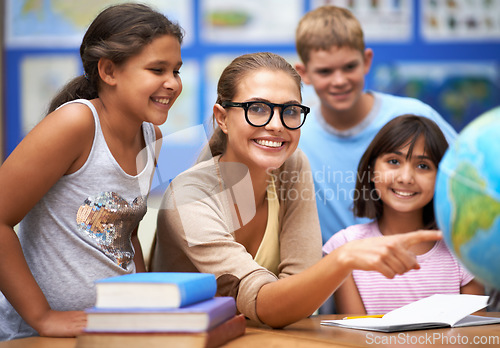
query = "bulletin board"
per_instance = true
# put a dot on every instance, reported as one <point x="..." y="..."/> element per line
<point x="444" y="52"/>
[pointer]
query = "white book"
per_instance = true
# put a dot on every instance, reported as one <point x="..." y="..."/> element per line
<point x="436" y="311"/>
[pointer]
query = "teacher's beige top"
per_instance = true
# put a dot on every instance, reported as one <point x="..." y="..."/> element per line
<point x="203" y="207"/>
<point x="268" y="254"/>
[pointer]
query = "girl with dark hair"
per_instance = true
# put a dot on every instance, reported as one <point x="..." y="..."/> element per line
<point x="79" y="181"/>
<point x="395" y="187"/>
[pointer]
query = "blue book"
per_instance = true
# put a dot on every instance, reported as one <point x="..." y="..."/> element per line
<point x="154" y="290"/>
<point x="198" y="317"/>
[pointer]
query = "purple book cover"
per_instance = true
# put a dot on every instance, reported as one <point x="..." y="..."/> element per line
<point x="219" y="309"/>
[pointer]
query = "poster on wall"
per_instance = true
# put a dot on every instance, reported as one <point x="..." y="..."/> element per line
<point x="459" y="91"/>
<point x="214" y="66"/>
<point x="62" y="23"/>
<point x="41" y="78"/>
<point x="382" y="20"/>
<point x="184" y="113"/>
<point x="456" y="20"/>
<point x="260" y="22"/>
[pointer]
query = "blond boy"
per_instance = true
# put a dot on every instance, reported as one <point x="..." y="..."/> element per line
<point x="334" y="61"/>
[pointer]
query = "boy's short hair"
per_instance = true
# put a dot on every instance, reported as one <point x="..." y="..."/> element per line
<point x="327" y="27"/>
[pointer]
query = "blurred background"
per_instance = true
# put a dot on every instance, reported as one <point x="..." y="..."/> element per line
<point x="444" y="52"/>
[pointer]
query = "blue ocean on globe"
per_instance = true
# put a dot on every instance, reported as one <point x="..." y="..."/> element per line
<point x="467" y="197"/>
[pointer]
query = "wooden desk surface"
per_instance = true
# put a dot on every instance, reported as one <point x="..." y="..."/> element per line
<point x="309" y="333"/>
<point x="315" y="335"/>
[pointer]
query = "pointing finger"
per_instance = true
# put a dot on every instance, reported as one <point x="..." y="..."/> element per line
<point x="409" y="239"/>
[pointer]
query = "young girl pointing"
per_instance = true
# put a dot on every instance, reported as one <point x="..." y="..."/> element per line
<point x="79" y="181"/>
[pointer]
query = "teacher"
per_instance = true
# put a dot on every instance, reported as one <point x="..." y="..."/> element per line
<point x="248" y="214"/>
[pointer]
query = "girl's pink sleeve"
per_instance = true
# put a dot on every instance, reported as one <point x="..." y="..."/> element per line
<point x="337" y="240"/>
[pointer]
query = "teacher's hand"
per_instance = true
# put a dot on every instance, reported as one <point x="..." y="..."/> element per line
<point x="388" y="255"/>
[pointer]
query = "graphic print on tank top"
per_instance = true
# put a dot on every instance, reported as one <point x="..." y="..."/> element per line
<point x="107" y="222"/>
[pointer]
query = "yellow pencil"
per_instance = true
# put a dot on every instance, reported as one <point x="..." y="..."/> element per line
<point x="365" y="316"/>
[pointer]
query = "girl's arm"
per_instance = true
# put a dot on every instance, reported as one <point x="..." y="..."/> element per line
<point x="347" y="298"/>
<point x="57" y="146"/>
<point x="473" y="288"/>
<point x="290" y="299"/>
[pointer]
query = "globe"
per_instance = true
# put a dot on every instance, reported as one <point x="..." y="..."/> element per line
<point x="467" y="197"/>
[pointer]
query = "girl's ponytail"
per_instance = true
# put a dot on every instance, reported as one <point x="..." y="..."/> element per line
<point x="78" y="88"/>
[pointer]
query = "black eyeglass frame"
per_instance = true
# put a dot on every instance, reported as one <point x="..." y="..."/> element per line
<point x="246" y="106"/>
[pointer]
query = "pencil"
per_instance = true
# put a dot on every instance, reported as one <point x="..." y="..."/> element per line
<point x="364" y="316"/>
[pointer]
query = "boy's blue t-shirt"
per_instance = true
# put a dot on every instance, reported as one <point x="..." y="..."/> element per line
<point x="334" y="156"/>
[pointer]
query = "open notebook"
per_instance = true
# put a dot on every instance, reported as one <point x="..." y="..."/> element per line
<point x="435" y="311"/>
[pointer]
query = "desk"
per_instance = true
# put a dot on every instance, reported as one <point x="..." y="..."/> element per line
<point x="309" y="333"/>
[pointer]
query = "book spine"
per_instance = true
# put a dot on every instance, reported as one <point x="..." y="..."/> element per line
<point x="222" y="313"/>
<point x="197" y="290"/>
<point x="227" y="331"/>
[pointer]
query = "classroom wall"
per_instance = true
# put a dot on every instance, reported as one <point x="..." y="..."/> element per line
<point x="444" y="52"/>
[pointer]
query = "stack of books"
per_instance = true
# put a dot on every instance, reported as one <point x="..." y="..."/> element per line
<point x="160" y="310"/>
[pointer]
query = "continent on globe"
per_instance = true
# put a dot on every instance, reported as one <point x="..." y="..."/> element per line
<point x="467" y="198"/>
<point x="474" y="211"/>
